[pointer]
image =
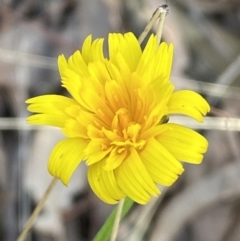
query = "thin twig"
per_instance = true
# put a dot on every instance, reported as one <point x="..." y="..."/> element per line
<point x="117" y="220"/>
<point x="37" y="210"/>
<point x="162" y="10"/>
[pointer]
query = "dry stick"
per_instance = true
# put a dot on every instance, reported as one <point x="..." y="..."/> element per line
<point x="160" y="14"/>
<point x="37" y="210"/>
<point x="117" y="220"/>
<point x="149" y="26"/>
<point x="160" y="24"/>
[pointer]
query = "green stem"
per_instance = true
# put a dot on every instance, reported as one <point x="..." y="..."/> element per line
<point x="106" y="230"/>
<point x="117" y="220"/>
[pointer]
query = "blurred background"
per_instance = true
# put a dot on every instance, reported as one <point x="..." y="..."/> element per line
<point x="204" y="205"/>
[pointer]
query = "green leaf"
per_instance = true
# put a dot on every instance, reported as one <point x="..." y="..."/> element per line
<point x="106" y="230"/>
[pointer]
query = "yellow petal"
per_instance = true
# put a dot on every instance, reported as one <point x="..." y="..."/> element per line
<point x="62" y="64"/>
<point x="52" y="109"/>
<point x="96" y="150"/>
<point x="153" y="131"/>
<point x="96" y="52"/>
<point x="65" y="158"/>
<point x="120" y="78"/>
<point x="127" y="45"/>
<point x="116" y="157"/>
<point x="57" y="120"/>
<point x="157" y="111"/>
<point x="113" y="72"/>
<point x="164" y="60"/>
<point x="92" y="51"/>
<point x="147" y="55"/>
<point x="114" y="95"/>
<point x="183" y="143"/>
<point x="95" y="104"/>
<point x="134" y="179"/>
<point x="133" y="51"/>
<point x="99" y="75"/>
<point x="163" y="167"/>
<point x="73" y="82"/>
<point x="77" y="64"/>
<point x="104" y="184"/>
<point x="73" y="110"/>
<point x="86" y="47"/>
<point x="73" y="128"/>
<point x="49" y="104"/>
<point x="188" y="103"/>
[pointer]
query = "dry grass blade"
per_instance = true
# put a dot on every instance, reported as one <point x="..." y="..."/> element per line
<point x="9" y="56"/>
<point x="210" y="123"/>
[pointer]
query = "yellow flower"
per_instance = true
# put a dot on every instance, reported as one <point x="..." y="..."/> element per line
<point x="115" y="119"/>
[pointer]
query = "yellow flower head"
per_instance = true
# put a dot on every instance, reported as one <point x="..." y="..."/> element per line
<point x="114" y="120"/>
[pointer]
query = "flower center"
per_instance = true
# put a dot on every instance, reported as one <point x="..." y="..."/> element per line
<point x="127" y="131"/>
